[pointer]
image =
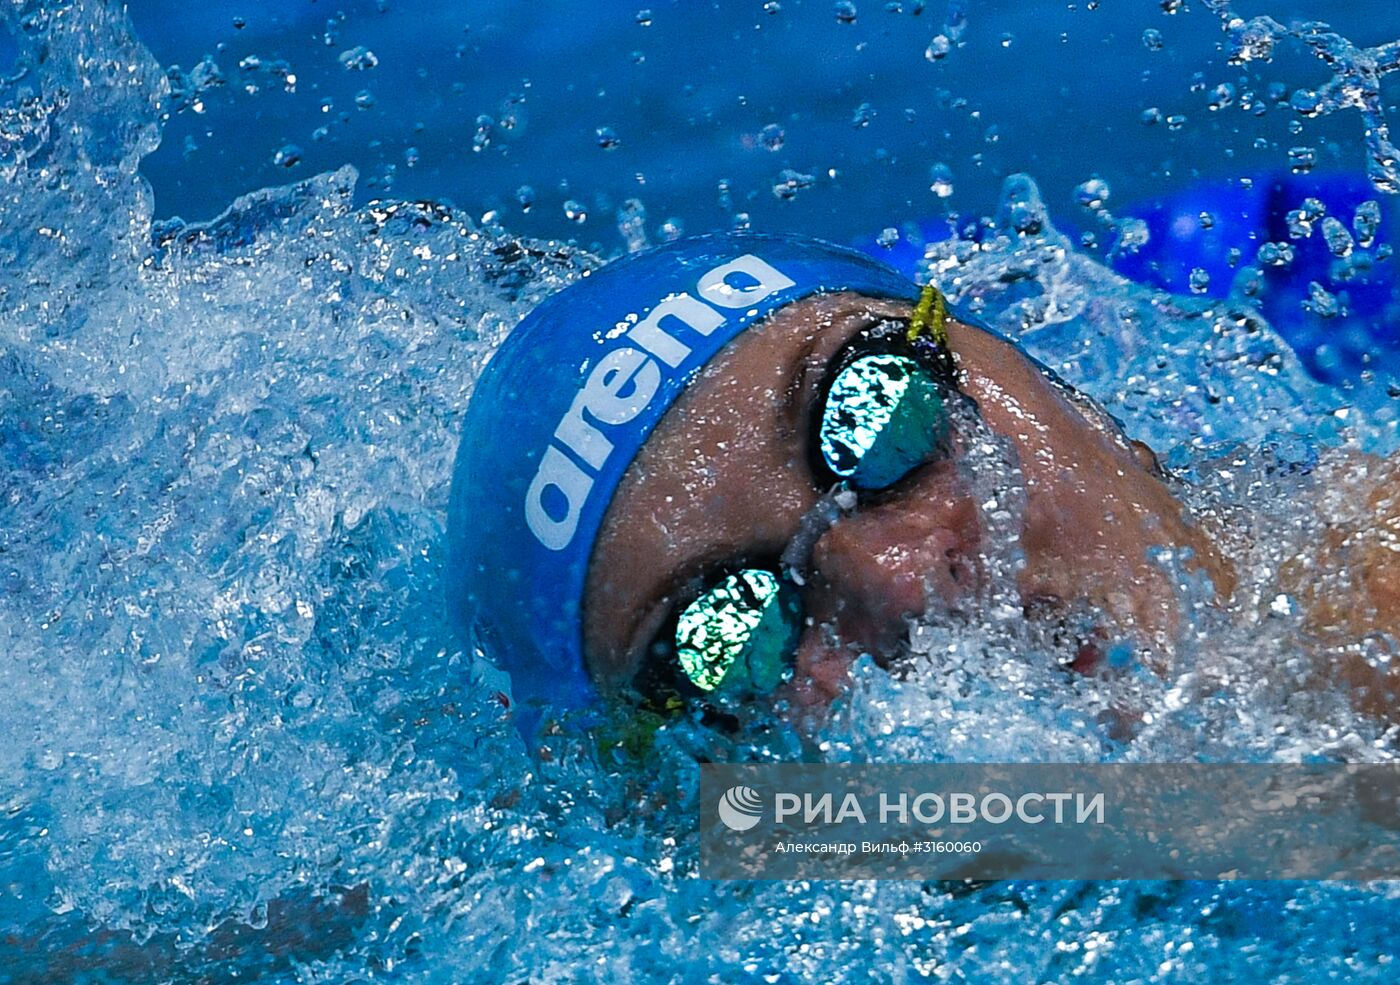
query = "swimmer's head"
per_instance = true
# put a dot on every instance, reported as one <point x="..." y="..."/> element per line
<point x="567" y="402"/>
<point x="731" y="464"/>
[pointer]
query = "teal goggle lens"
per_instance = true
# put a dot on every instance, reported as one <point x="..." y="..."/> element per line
<point x="741" y="634"/>
<point x="884" y="415"/>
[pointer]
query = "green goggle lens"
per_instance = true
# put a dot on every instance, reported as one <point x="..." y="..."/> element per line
<point x="740" y="634"/>
<point x="884" y="415"/>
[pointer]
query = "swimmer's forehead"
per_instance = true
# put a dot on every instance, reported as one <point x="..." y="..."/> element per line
<point x="723" y="477"/>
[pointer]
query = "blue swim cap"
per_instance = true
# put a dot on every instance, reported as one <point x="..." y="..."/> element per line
<point x="565" y="404"/>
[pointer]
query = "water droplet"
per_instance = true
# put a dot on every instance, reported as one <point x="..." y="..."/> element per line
<point x="938" y="48"/>
<point x="1221" y="96"/>
<point x="410" y="157"/>
<point x="525" y="195"/>
<point x="772" y="7"/>
<point x="671" y="230"/>
<point x="1007" y="39"/>
<point x="1152" y="39"/>
<point x="287" y="156"/>
<point x="1339" y="241"/>
<point x="575" y="211"/>
<point x="863" y="115"/>
<point x="1172" y="6"/>
<point x="485" y="130"/>
<point x="631" y="224"/>
<point x="772" y="136"/>
<point x="791" y="182"/>
<point x="1306" y="102"/>
<point x="607" y="138"/>
<point x="239" y="23"/>
<point x="1176" y="121"/>
<point x="1301" y="160"/>
<point x="1206" y="220"/>
<point x="644" y="17"/>
<point x="888" y="237"/>
<point x="358" y="59"/>
<point x="1322" y="302"/>
<point x="1199" y="280"/>
<point x="1276" y="254"/>
<point x="364" y="99"/>
<point x="940" y="178"/>
<point x="846" y="12"/>
<point x="1366" y="222"/>
<point x="1151" y="116"/>
<point x="1133" y="235"/>
<point x="1093" y="193"/>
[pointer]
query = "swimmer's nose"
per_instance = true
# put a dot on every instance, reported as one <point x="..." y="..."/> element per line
<point x="892" y="559"/>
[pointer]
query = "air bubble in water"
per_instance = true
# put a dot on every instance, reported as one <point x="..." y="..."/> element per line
<point x="671" y="230"/>
<point x="607" y="138"/>
<point x="364" y="99"/>
<point x="1151" y="116"/>
<point x="525" y="196"/>
<point x="1206" y="220"/>
<point x="1199" y="280"/>
<point x="888" y="237"/>
<point x="846" y="12"/>
<point x="863" y="115"/>
<point x="1176" y="121"/>
<point x="772" y="136"/>
<point x="411" y="157"/>
<point x="239" y="23"/>
<point x="1152" y="39"/>
<point x="1339" y="241"/>
<point x="1172" y="6"/>
<point x="644" y="17"/>
<point x="940" y="178"/>
<point x="1007" y="39"/>
<point x="938" y="48"/>
<point x="574" y="211"/>
<point x="1366" y="221"/>
<point x="287" y="156"/>
<point x="1276" y="254"/>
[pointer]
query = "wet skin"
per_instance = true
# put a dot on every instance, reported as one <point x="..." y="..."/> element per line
<point x="726" y="478"/>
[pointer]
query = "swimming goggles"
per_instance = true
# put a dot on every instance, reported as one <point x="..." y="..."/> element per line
<point x="884" y="411"/>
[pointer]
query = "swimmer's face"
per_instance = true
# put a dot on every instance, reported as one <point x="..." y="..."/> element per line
<point x="726" y="478"/>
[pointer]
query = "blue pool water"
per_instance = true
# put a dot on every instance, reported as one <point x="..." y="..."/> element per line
<point x="242" y="740"/>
